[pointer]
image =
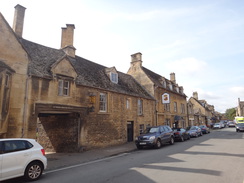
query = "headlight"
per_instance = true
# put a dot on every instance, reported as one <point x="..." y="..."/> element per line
<point x="152" y="138"/>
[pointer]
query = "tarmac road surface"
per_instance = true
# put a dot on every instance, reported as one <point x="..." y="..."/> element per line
<point x="217" y="157"/>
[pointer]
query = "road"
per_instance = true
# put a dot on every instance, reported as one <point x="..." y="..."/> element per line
<point x="217" y="157"/>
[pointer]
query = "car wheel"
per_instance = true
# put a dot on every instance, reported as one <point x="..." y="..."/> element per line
<point x="182" y="139"/>
<point x="172" y="141"/>
<point x="139" y="147"/>
<point x="237" y="130"/>
<point x="158" y="144"/>
<point x="33" y="171"/>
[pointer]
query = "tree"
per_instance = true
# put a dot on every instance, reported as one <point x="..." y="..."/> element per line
<point x="230" y="113"/>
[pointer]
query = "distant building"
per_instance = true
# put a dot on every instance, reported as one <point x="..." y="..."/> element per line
<point x="199" y="111"/>
<point x="240" y="108"/>
<point x="170" y="98"/>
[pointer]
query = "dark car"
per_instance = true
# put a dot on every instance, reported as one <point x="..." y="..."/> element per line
<point x="181" y="134"/>
<point x="194" y="131"/>
<point x="204" y="129"/>
<point x="155" y="137"/>
<point x="239" y="127"/>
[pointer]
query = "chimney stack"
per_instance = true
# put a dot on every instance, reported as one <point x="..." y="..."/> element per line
<point x="67" y="40"/>
<point x="172" y="77"/>
<point x="136" y="59"/>
<point x="18" y="23"/>
<point x="195" y="95"/>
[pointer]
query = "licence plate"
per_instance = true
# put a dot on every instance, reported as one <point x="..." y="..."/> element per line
<point x="142" y="143"/>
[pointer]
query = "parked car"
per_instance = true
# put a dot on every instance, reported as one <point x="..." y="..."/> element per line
<point x="155" y="137"/>
<point x="204" y="129"/>
<point x="181" y="134"/>
<point x="194" y="131"/>
<point x="231" y="124"/>
<point x="21" y="157"/>
<point x="239" y="127"/>
<point x="217" y="125"/>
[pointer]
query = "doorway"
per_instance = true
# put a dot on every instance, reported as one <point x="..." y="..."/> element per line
<point x="130" y="131"/>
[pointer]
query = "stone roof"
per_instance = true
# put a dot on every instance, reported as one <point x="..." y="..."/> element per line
<point x="89" y="73"/>
<point x="157" y="80"/>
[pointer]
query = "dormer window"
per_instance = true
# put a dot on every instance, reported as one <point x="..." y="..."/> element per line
<point x="63" y="87"/>
<point x="114" y="77"/>
<point x="170" y="86"/>
<point x="177" y="89"/>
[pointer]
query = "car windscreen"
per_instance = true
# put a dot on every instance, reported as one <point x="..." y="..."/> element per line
<point x="240" y="124"/>
<point x="152" y="130"/>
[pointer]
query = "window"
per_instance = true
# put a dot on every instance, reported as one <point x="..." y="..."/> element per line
<point x="182" y="108"/>
<point x="103" y="102"/>
<point x="7" y="80"/>
<point x="114" y="77"/>
<point x="167" y="107"/>
<point x="140" y="107"/>
<point x="175" y="107"/>
<point x="167" y="121"/>
<point x="16" y="145"/>
<point x="127" y="103"/>
<point x="63" y="87"/>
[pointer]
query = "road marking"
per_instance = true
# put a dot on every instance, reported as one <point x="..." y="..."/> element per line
<point x="83" y="164"/>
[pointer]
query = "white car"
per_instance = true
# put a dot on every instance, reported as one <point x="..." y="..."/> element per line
<point x="217" y="125"/>
<point x="21" y="157"/>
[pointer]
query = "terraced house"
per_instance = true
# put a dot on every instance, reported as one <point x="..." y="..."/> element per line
<point x="66" y="102"/>
<point x="171" y="103"/>
<point x="200" y="112"/>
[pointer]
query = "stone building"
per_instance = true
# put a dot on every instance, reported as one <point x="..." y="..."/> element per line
<point x="66" y="102"/>
<point x="199" y="111"/>
<point x="171" y="103"/>
<point x="240" y="108"/>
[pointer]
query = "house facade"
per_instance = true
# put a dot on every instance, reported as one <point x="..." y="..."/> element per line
<point x="199" y="111"/>
<point x="240" y="108"/>
<point x="171" y="103"/>
<point x="66" y="102"/>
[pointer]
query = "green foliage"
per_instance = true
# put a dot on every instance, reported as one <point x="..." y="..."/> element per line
<point x="230" y="113"/>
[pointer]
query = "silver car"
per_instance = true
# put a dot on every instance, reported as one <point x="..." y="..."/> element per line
<point x="21" y="157"/>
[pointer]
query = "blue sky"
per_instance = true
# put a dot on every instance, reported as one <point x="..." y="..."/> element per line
<point x="201" y="41"/>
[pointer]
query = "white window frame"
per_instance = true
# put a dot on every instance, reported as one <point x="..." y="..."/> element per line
<point x="127" y="103"/>
<point x="103" y="102"/>
<point x="140" y="107"/>
<point x="114" y="77"/>
<point x="63" y="87"/>
<point x="175" y="106"/>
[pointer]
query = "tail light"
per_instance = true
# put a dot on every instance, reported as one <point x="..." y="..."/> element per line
<point x="43" y="152"/>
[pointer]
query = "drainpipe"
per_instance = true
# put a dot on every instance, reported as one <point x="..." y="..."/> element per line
<point x="25" y="106"/>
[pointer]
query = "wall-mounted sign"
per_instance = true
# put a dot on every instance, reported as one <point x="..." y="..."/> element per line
<point x="165" y="98"/>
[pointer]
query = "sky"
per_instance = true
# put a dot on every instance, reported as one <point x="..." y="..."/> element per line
<point x="201" y="41"/>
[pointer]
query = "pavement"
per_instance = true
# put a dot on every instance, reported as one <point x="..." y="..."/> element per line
<point x="61" y="160"/>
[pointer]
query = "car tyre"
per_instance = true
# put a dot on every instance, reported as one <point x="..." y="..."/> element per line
<point x="158" y="144"/>
<point x="172" y="140"/>
<point x="33" y="171"/>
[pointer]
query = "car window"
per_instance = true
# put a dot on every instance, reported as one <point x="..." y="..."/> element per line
<point x="15" y="145"/>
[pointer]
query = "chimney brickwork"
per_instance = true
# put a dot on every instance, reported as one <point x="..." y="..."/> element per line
<point x="19" y="16"/>
<point x="68" y="39"/>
